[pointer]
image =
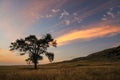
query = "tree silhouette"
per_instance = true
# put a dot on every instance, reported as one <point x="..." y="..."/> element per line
<point x="34" y="47"/>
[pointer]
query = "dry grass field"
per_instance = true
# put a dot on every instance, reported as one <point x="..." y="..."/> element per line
<point x="79" y="70"/>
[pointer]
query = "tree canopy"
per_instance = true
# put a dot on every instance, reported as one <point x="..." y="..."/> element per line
<point x="35" y="48"/>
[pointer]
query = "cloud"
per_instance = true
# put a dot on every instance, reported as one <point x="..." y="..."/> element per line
<point x="110" y="14"/>
<point x="47" y="16"/>
<point x="93" y="11"/>
<point x="82" y="13"/>
<point x="34" y="9"/>
<point x="96" y="32"/>
<point x="37" y="8"/>
<point x="64" y="13"/>
<point x="104" y="19"/>
<point x="75" y="14"/>
<point x="55" y="10"/>
<point x="67" y="22"/>
<point x="51" y="14"/>
<point x="78" y="19"/>
<point x="15" y="21"/>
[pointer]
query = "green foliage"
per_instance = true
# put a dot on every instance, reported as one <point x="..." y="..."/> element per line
<point x="34" y="47"/>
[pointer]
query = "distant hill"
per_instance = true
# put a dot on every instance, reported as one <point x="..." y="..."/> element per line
<point x="107" y="54"/>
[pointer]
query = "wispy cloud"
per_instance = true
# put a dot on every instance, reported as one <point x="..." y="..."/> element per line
<point x="93" y="11"/>
<point x="34" y="9"/>
<point x="67" y="22"/>
<point x="14" y="23"/>
<point x="37" y="8"/>
<point x="99" y="31"/>
<point x="82" y="13"/>
<point x="64" y="13"/>
<point x="50" y="14"/>
<point x="111" y="14"/>
<point x="55" y="10"/>
<point x="108" y="15"/>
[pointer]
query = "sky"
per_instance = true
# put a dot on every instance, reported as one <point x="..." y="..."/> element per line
<point x="81" y="27"/>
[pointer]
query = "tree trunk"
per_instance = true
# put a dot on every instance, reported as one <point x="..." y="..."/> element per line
<point x="35" y="65"/>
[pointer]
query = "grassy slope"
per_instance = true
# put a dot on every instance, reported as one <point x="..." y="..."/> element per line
<point x="112" y="54"/>
<point x="104" y="65"/>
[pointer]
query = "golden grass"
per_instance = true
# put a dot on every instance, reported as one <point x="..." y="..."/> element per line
<point x="82" y="70"/>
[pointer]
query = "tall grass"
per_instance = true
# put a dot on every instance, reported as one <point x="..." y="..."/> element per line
<point x="63" y="71"/>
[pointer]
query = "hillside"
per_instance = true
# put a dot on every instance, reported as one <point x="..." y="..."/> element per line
<point x="107" y="54"/>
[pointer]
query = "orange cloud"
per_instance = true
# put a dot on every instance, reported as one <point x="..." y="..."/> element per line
<point x="91" y="33"/>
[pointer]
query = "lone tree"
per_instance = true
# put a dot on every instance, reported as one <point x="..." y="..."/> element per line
<point x="34" y="47"/>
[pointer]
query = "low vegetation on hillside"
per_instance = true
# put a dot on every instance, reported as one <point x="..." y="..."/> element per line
<point x="112" y="54"/>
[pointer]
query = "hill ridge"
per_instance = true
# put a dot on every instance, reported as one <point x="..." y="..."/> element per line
<point x="106" y="54"/>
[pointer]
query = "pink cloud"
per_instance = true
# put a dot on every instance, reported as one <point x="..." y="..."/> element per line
<point x="35" y="9"/>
